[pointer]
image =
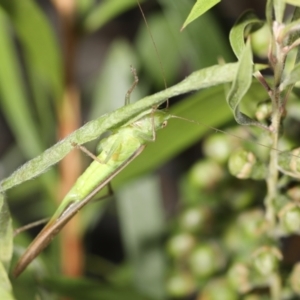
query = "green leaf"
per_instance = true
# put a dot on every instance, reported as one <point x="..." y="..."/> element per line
<point x="199" y="8"/>
<point x="295" y="35"/>
<point x="6" y="249"/>
<point x="6" y="234"/>
<point x="247" y="23"/>
<point x="104" y="12"/>
<point x="269" y="13"/>
<point x="14" y="103"/>
<point x="5" y="286"/>
<point x="293" y="2"/>
<point x="240" y="86"/>
<point x="292" y="77"/>
<point x="42" y="105"/>
<point x="279" y="8"/>
<point x="37" y="39"/>
<point x="291" y="29"/>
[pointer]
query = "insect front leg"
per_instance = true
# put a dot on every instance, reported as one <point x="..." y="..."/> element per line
<point x="86" y="151"/>
<point x="136" y="80"/>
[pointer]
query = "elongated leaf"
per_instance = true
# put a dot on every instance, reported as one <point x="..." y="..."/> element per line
<point x="292" y="77"/>
<point x="199" y="8"/>
<point x="13" y="97"/>
<point x="6" y="234"/>
<point x="291" y="28"/>
<point x="269" y="13"/>
<point x="6" y="249"/>
<point x="279" y="7"/>
<point x="104" y="12"/>
<point x="41" y="104"/>
<point x="240" y="86"/>
<point x="5" y="286"/>
<point x="37" y="40"/>
<point x="295" y="35"/>
<point x="247" y="23"/>
<point x="14" y="103"/>
<point x="293" y="2"/>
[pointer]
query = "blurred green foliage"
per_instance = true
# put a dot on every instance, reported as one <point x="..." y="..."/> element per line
<point x="220" y="220"/>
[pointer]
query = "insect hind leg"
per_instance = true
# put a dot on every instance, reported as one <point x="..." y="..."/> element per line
<point x="109" y="193"/>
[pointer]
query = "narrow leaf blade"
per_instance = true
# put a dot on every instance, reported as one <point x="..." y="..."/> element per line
<point x="199" y="8"/>
<point x="6" y="249"/>
<point x="33" y="32"/>
<point x="104" y="12"/>
<point x="6" y="233"/>
<point x="279" y="7"/>
<point x="292" y="77"/>
<point x="240" y="86"/>
<point x="293" y="2"/>
<point x="14" y="102"/>
<point x="248" y="22"/>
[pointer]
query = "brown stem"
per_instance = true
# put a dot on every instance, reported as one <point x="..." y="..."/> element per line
<point x="69" y="120"/>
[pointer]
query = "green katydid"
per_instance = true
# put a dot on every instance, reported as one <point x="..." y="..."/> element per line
<point x="117" y="151"/>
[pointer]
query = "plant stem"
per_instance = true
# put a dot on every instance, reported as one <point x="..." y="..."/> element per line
<point x="272" y="181"/>
<point x="275" y="287"/>
<point x="278" y="57"/>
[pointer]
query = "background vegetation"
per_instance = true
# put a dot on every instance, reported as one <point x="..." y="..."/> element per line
<point x="179" y="225"/>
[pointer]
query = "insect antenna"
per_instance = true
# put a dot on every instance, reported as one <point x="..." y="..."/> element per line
<point x="231" y="134"/>
<point x="156" y="50"/>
